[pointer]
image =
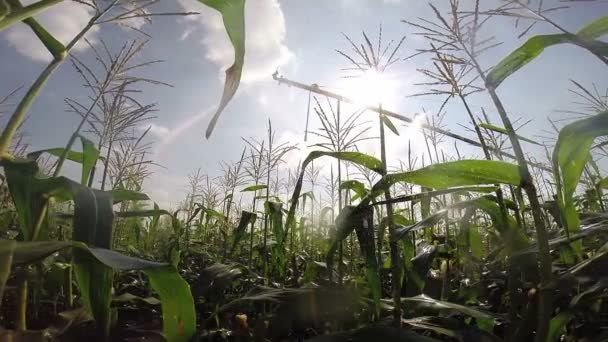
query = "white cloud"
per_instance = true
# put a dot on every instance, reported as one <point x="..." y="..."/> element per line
<point x="63" y="21"/>
<point x="265" y="40"/>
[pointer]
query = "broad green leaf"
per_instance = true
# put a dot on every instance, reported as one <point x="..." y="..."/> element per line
<point x="595" y="29"/>
<point x="569" y="158"/>
<point x="557" y="325"/>
<point x="179" y="317"/>
<point x="16" y="15"/>
<point x="22" y="184"/>
<point x="435" y="193"/>
<point x="522" y="56"/>
<point x="255" y="187"/>
<point x="87" y="158"/>
<point x="475" y="243"/>
<point x="504" y="131"/>
<point x="275" y="213"/>
<point x="233" y="15"/>
<point x="121" y="195"/>
<point x="247" y="218"/>
<point x="356" y="186"/>
<point x="452" y="174"/>
<point x="154" y="213"/>
<point x="537" y="44"/>
<point x="90" y="154"/>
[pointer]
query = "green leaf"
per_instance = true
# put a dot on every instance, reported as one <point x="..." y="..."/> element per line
<point x="121" y="195"/>
<point x="233" y="14"/>
<point x="87" y="158"/>
<point x="55" y="47"/>
<point x="7" y="248"/>
<point x="354" y="157"/>
<point x="419" y="266"/>
<point x="255" y="187"/>
<point x="435" y="304"/>
<point x="537" y="44"/>
<point x="20" y="13"/>
<point x="522" y="56"/>
<point x="179" y="317"/>
<point x="595" y="29"/>
<point x="389" y="124"/>
<point x="504" y="131"/>
<point x="22" y="184"/>
<point x="356" y="186"/>
<point x="475" y="243"/>
<point x="557" y="325"/>
<point x="90" y="154"/>
<point x="247" y="218"/>
<point x="452" y="174"/>
<point x="570" y="155"/>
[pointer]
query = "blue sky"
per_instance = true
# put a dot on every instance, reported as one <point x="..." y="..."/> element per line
<point x="299" y="38"/>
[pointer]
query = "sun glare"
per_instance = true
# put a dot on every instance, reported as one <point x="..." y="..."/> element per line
<point x="371" y="88"/>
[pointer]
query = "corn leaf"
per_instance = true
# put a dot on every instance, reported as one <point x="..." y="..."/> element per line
<point x="537" y="44"/>
<point x="179" y="317"/>
<point x="570" y="155"/>
<point x="247" y="218"/>
<point x="504" y="131"/>
<point x="255" y="187"/>
<point x="388" y="123"/>
<point x="233" y="14"/>
<point x="7" y="248"/>
<point x="19" y="13"/>
<point x="358" y="158"/>
<point x="452" y="174"/>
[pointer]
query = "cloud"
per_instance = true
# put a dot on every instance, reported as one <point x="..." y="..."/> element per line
<point x="63" y="21"/>
<point x="265" y="41"/>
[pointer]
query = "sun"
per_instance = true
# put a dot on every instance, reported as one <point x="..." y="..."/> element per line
<point x="372" y="88"/>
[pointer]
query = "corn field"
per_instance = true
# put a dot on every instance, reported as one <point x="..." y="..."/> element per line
<point x="341" y="245"/>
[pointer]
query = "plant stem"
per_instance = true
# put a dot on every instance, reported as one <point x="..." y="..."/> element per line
<point x="24" y="105"/>
<point x="393" y="242"/>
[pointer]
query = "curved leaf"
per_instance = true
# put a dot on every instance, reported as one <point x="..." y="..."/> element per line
<point x="570" y="155"/>
<point x="179" y="317"/>
<point x="452" y="174"/>
<point x="233" y="15"/>
<point x="537" y="44"/>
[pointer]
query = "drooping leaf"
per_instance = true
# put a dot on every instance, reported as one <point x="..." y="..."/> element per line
<point x="179" y="317"/>
<point x="358" y="158"/>
<point x="419" y="268"/>
<point x="569" y="158"/>
<point x="247" y="218"/>
<point x="356" y="186"/>
<point x="537" y="44"/>
<point x="233" y="15"/>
